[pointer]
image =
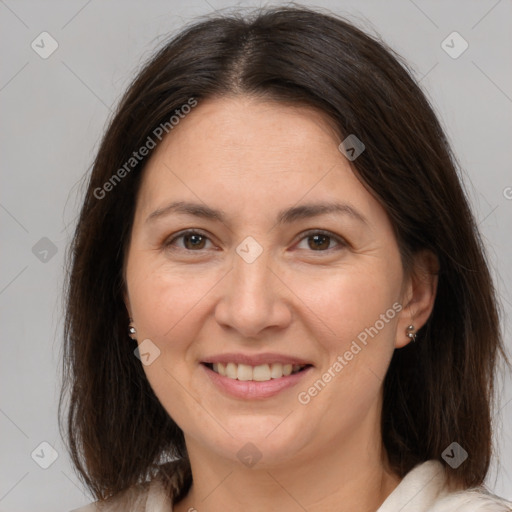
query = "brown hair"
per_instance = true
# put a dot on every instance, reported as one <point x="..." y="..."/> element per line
<point x="436" y="391"/>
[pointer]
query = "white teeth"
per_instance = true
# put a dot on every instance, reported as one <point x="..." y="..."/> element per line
<point x="276" y="370"/>
<point x="260" y="373"/>
<point x="244" y="372"/>
<point x="231" y="370"/>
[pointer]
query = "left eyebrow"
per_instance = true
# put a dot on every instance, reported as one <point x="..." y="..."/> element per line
<point x="286" y="216"/>
<point x="307" y="211"/>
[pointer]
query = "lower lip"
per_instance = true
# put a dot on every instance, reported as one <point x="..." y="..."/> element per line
<point x="250" y="389"/>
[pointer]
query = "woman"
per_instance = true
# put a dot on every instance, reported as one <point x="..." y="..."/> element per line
<point x="278" y="297"/>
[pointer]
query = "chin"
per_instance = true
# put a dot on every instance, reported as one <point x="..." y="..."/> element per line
<point x="263" y="440"/>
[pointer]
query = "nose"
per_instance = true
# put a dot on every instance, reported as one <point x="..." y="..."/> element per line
<point x="254" y="298"/>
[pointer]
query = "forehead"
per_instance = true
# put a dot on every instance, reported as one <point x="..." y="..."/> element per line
<point x="242" y="151"/>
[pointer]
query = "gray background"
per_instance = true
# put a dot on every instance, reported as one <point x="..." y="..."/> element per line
<point x="53" y="112"/>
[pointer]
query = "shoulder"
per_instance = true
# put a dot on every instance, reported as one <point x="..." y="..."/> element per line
<point x="425" y="489"/>
<point x="156" y="495"/>
<point x="471" y="500"/>
<point x="131" y="500"/>
<point x="134" y="499"/>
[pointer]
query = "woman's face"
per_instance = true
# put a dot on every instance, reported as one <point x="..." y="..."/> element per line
<point x="272" y="278"/>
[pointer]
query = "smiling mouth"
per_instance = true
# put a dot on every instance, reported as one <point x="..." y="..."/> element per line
<point x="260" y="373"/>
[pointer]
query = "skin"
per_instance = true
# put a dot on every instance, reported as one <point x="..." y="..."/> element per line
<point x="251" y="158"/>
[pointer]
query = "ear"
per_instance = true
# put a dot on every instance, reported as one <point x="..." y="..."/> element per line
<point x="419" y="294"/>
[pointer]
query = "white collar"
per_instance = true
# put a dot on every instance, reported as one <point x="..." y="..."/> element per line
<point x="418" y="490"/>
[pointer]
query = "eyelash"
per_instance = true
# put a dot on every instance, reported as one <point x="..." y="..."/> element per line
<point x="307" y="234"/>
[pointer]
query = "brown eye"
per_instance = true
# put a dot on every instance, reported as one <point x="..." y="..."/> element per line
<point x="319" y="242"/>
<point x="194" y="241"/>
<point x="191" y="241"/>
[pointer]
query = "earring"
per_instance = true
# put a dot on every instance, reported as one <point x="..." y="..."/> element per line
<point x="132" y="331"/>
<point x="411" y="332"/>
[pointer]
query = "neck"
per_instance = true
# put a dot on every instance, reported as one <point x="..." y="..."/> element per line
<point x="355" y="476"/>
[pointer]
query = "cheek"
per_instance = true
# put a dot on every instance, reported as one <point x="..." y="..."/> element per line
<point x="168" y="309"/>
<point x="358" y="312"/>
<point x="164" y="297"/>
<point x="342" y="304"/>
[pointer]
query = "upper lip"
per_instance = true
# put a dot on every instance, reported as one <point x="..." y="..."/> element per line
<point x="255" y="359"/>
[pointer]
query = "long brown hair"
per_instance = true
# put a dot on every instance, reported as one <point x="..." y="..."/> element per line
<point x="436" y="391"/>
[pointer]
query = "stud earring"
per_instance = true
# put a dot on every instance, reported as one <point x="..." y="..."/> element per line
<point x="411" y="332"/>
<point x="132" y="331"/>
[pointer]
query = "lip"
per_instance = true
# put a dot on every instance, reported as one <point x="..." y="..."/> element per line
<point x="255" y="360"/>
<point x="254" y="390"/>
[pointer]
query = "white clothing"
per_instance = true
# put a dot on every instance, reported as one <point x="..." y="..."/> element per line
<point x="423" y="489"/>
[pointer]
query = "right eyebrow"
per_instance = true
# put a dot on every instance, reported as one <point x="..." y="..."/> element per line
<point x="195" y="209"/>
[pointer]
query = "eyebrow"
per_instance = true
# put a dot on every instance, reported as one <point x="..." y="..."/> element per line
<point x="286" y="216"/>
